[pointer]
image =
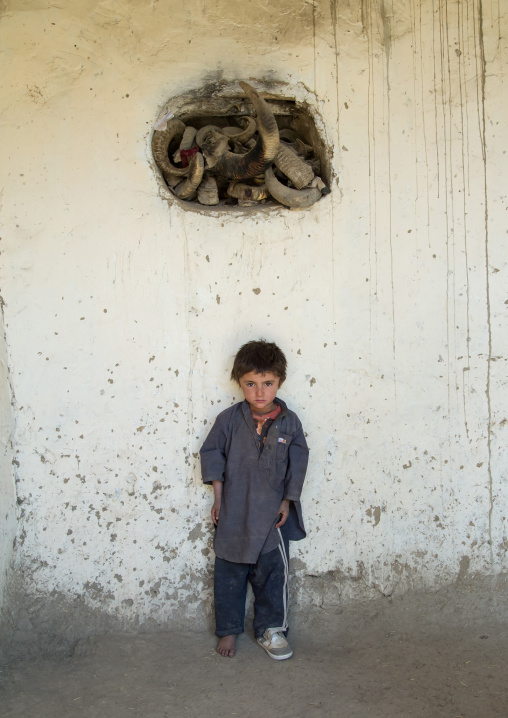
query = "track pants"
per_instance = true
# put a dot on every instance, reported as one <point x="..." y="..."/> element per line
<point x="269" y="580"/>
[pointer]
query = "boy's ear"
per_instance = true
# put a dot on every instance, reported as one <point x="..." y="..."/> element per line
<point x="281" y="382"/>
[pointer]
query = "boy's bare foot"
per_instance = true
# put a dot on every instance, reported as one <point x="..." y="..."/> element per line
<point x="227" y="646"/>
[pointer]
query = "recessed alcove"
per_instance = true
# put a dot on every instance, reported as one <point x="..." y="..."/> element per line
<point x="224" y="106"/>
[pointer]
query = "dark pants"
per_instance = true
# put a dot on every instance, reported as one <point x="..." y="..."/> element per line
<point x="269" y="580"/>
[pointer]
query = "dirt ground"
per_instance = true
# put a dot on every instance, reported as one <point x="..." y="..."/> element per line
<point x="430" y="656"/>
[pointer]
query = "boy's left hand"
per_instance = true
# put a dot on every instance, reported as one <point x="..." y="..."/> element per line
<point x="283" y="513"/>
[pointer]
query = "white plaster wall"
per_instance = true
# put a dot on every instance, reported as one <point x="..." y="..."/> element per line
<point x="123" y="312"/>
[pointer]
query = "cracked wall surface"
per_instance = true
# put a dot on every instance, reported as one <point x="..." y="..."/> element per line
<point x="123" y="312"/>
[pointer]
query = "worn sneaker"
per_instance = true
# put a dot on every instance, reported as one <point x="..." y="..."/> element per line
<point x="275" y="644"/>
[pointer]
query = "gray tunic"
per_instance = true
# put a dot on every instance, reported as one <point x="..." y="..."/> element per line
<point x="255" y="482"/>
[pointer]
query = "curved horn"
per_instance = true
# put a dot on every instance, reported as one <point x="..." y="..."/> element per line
<point x="318" y="182"/>
<point x="302" y="149"/>
<point x="288" y="135"/>
<point x="204" y="131"/>
<point x="239" y="135"/>
<point x="293" y="167"/>
<point x="188" y="141"/>
<point x="187" y="188"/>
<point x="172" y="180"/>
<point x="239" y="149"/>
<point x="213" y="146"/>
<point x="245" y="191"/>
<point x="264" y="151"/>
<point x="294" y="198"/>
<point x="161" y="140"/>
<point x="208" y="192"/>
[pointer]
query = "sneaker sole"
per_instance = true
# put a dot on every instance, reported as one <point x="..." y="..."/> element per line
<point x="275" y="658"/>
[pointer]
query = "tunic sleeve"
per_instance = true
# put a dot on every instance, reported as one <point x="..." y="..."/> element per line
<point x="213" y="453"/>
<point x="298" y="457"/>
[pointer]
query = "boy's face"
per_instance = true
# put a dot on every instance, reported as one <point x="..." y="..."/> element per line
<point x="260" y="390"/>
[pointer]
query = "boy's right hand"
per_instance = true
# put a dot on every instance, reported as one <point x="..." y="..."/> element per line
<point x="216" y="511"/>
<point x="217" y="493"/>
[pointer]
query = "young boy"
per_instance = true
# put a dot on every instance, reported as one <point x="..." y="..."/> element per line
<point x="256" y="458"/>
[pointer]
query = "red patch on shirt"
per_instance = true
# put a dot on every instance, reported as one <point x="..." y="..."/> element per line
<point x="260" y="419"/>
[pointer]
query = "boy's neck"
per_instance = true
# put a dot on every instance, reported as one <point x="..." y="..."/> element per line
<point x="267" y="410"/>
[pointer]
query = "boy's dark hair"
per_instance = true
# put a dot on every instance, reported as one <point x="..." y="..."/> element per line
<point x="260" y="357"/>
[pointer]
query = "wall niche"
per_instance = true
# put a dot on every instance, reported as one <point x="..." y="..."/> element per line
<point x="238" y="145"/>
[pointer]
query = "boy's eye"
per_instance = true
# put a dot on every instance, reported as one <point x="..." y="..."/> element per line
<point x="269" y="383"/>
